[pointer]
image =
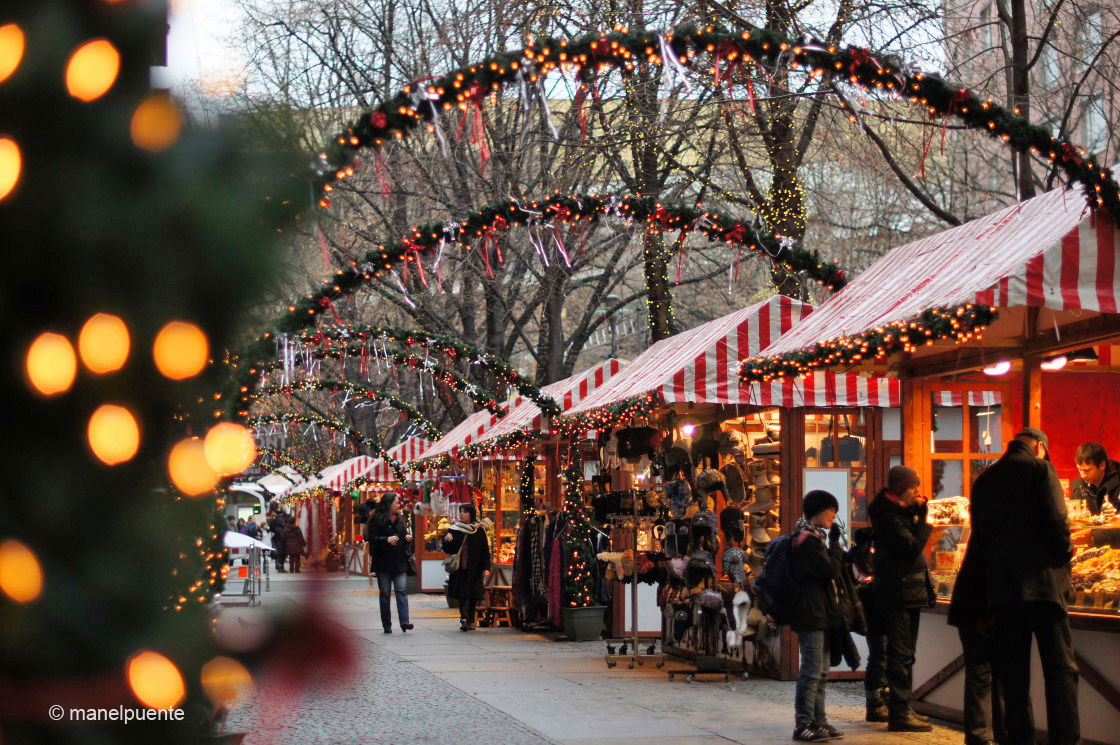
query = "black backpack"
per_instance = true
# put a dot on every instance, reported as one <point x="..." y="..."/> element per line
<point x="775" y="590"/>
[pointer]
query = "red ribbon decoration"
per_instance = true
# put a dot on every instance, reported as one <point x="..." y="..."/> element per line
<point x="478" y="128"/>
<point x="385" y="190"/>
<point x="577" y="104"/>
<point x="325" y="302"/>
<point x="323" y="245"/>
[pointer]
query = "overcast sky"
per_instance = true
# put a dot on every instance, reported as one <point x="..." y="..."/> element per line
<point x="196" y="49"/>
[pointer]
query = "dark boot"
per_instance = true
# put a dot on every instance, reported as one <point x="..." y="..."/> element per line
<point x="877" y="706"/>
<point x="907" y="722"/>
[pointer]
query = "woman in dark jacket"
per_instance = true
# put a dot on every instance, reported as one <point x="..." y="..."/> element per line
<point x="901" y="586"/>
<point x="294" y="544"/>
<point x="389" y="544"/>
<point x="817" y="560"/>
<point x="467" y="539"/>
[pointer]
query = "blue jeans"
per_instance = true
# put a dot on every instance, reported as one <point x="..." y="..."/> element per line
<point x="811" y="679"/>
<point x="385" y="584"/>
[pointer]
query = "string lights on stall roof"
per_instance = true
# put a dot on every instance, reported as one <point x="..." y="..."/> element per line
<point x="959" y="325"/>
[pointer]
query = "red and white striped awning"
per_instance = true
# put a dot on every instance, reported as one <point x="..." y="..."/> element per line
<point x="524" y="415"/>
<point x="975" y="398"/>
<point x="1049" y="252"/>
<point x="339" y="475"/>
<point x="701" y="366"/>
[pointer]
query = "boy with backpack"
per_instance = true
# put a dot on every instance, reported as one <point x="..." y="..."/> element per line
<point x="799" y="588"/>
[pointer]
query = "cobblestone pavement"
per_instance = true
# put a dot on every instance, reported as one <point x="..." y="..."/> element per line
<point x="438" y="685"/>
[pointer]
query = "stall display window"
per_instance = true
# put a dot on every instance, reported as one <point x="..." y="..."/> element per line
<point x="838" y="440"/>
<point x="500" y="504"/>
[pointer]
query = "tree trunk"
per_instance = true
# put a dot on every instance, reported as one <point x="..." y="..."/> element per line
<point x="656" y="260"/>
<point x="1021" y="91"/>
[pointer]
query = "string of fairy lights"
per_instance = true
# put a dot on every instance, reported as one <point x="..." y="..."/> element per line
<point x="373" y="444"/>
<point x="685" y="49"/>
<point x="579" y="580"/>
<point x="960" y="324"/>
<point x="355" y="392"/>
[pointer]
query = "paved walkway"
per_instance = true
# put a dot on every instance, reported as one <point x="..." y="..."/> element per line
<point x="438" y="685"/>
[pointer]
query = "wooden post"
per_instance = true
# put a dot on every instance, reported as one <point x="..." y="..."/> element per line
<point x="917" y="426"/>
<point x="1032" y="391"/>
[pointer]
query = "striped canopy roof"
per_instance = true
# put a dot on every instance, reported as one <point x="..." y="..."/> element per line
<point x="1048" y="252"/>
<point x="701" y="366"/>
<point x="523" y="415"/>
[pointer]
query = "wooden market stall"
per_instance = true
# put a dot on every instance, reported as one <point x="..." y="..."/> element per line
<point x="487" y="472"/>
<point x="1051" y="270"/>
<point x="825" y="431"/>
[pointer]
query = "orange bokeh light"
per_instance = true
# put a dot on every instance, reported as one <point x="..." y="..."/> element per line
<point x="11" y="165"/>
<point x="51" y="364"/>
<point x="229" y="448"/>
<point x="156" y="123"/>
<point x="103" y="343"/>
<point x="113" y="434"/>
<point x="189" y="471"/>
<point x="11" y="49"/>
<point x="92" y="69"/>
<point x="180" y="350"/>
<point x="155" y="680"/>
<point x="226" y="682"/>
<point x="21" y="576"/>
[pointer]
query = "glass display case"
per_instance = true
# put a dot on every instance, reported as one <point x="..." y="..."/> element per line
<point x="500" y="504"/>
<point x="1096" y="562"/>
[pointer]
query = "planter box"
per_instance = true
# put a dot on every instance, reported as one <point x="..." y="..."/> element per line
<point x="583" y="624"/>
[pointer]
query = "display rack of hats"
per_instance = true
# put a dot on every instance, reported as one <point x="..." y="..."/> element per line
<point x="724" y="494"/>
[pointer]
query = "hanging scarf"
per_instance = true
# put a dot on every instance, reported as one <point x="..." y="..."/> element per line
<point x="818" y="531"/>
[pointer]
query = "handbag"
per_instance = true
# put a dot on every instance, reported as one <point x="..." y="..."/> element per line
<point x="451" y="563"/>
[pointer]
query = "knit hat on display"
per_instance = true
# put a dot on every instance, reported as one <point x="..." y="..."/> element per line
<point x="817" y="501"/>
<point x="735" y="483"/>
<point x="732" y="442"/>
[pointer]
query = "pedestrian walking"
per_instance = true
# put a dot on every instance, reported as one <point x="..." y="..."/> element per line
<point x="861" y="563"/>
<point x="468" y="562"/>
<point x="1020" y="531"/>
<point x="295" y="545"/>
<point x="817" y="560"/>
<point x="276" y="525"/>
<point x="901" y="587"/>
<point x="390" y="543"/>
<point x="984" y="722"/>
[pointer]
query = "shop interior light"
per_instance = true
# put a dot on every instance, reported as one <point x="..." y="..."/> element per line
<point x="688" y="430"/>
<point x="1057" y="362"/>
<point x="1000" y="368"/>
<point x="1087" y="354"/>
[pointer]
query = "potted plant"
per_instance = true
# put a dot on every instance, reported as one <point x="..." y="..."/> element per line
<point x="581" y="615"/>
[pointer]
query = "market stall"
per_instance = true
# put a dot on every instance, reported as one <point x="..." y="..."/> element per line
<point x="489" y="455"/>
<point x="740" y="448"/>
<point x="1050" y="270"/>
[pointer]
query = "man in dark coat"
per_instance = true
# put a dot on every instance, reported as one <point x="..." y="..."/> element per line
<point x="984" y="721"/>
<point x="1020" y="532"/>
<point x="276" y="524"/>
<point x="901" y="586"/>
<point x="1099" y="478"/>
<point x="816" y="559"/>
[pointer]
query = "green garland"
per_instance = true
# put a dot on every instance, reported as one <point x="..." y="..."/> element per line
<point x="504" y="443"/>
<point x="960" y="324"/>
<point x="567" y="209"/>
<point x="526" y="484"/>
<point x="444" y="344"/>
<point x="372" y="443"/>
<point x="359" y="390"/>
<point x="301" y="467"/>
<point x="417" y="105"/>
<point x="618" y="413"/>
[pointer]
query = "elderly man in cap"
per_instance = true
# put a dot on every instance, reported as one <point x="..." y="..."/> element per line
<point x="1021" y="536"/>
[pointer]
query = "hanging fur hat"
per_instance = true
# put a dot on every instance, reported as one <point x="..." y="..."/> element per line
<point x="731" y="523"/>
<point x="711" y="600"/>
<point x="732" y="442"/>
<point x="709" y="480"/>
<point x="678" y="566"/>
<point x="704" y="522"/>
<point x="634" y="442"/>
<point x="677" y="461"/>
<point x="759" y="533"/>
<point x="734" y="565"/>
<point x="705" y="448"/>
<point x="735" y="487"/>
<point x="679" y="494"/>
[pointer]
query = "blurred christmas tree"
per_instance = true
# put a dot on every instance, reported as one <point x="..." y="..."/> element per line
<point x="110" y="203"/>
